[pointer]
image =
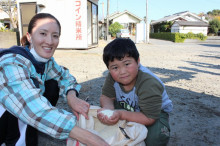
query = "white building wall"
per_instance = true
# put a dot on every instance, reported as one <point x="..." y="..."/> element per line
<point x="67" y="12"/>
<point x="140" y="35"/>
<point x="195" y="30"/>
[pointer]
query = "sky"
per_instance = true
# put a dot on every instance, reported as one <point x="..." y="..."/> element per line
<point x="157" y="8"/>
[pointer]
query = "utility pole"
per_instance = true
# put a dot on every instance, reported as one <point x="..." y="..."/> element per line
<point x="102" y="12"/>
<point x="146" y="23"/>
<point x="117" y="5"/>
<point x="107" y="23"/>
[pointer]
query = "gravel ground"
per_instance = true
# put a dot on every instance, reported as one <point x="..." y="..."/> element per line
<point x="190" y="71"/>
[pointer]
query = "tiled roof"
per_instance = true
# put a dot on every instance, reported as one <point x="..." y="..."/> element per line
<point x="192" y="23"/>
<point x="177" y="16"/>
<point x="117" y="14"/>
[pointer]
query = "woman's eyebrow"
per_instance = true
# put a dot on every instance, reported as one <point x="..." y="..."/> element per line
<point x="47" y="31"/>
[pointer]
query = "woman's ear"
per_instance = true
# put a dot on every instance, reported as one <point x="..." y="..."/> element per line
<point x="28" y="37"/>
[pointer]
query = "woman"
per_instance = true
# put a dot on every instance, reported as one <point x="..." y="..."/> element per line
<point x="24" y="73"/>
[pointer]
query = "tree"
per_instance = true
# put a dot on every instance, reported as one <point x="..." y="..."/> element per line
<point x="217" y="17"/>
<point x="163" y="27"/>
<point x="166" y="26"/>
<point x="215" y="12"/>
<point x="214" y="25"/>
<point x="9" y="7"/>
<point x="114" y="28"/>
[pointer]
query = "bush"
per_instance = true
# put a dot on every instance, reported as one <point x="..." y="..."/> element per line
<point x="163" y="35"/>
<point x="178" y="37"/>
<point x="115" y="28"/>
<point x="190" y="35"/>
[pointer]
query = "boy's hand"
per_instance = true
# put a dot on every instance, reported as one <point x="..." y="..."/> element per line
<point x="109" y="120"/>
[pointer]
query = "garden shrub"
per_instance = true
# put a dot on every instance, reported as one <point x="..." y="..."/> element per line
<point x="201" y="37"/>
<point x="114" y="28"/>
<point x="178" y="37"/>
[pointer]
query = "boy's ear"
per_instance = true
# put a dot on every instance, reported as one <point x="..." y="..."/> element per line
<point x="138" y="61"/>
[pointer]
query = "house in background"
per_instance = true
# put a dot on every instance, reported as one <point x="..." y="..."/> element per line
<point x="190" y="26"/>
<point x="125" y="18"/>
<point x="4" y="20"/>
<point x="183" y="22"/>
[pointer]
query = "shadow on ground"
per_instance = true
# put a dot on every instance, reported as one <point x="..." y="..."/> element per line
<point x="211" y="45"/>
<point x="185" y="120"/>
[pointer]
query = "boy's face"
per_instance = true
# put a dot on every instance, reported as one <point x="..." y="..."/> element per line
<point x="124" y="71"/>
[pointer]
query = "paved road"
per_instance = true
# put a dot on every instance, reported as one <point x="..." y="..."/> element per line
<point x="215" y="40"/>
<point x="209" y="40"/>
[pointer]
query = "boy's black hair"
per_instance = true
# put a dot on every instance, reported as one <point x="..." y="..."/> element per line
<point x="118" y="48"/>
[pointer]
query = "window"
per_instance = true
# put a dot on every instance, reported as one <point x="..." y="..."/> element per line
<point x="7" y="25"/>
<point x="95" y="23"/>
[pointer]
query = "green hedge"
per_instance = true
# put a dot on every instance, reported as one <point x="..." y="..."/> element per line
<point x="177" y="37"/>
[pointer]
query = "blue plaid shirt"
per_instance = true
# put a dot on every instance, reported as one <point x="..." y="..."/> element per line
<point x="20" y="97"/>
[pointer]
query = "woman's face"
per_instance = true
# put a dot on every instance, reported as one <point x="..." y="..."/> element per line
<point x="44" y="37"/>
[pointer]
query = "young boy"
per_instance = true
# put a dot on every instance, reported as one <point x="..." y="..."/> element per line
<point x="134" y="88"/>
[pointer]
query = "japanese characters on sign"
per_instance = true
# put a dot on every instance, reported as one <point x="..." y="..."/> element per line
<point x="78" y="20"/>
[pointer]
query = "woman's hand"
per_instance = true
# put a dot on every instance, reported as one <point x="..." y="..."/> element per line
<point x="109" y="120"/>
<point x="77" y="105"/>
<point x="87" y="137"/>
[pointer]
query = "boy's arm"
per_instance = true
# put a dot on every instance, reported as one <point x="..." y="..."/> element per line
<point x="106" y="102"/>
<point x="137" y="117"/>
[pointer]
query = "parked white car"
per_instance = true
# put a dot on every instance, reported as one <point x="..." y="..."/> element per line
<point x="123" y="33"/>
